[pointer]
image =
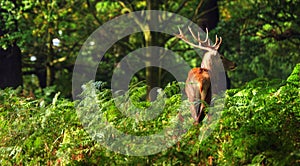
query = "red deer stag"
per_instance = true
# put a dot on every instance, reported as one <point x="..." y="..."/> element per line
<point x="198" y="84"/>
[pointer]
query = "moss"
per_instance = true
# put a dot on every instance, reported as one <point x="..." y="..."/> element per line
<point x="294" y="78"/>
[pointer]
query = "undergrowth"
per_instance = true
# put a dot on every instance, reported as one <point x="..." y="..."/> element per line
<point x="259" y="125"/>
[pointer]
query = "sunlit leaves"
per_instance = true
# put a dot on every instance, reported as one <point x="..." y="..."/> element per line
<point x="108" y="7"/>
<point x="259" y="125"/>
<point x="256" y="118"/>
<point x="261" y="37"/>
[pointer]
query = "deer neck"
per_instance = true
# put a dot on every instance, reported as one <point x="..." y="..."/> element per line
<point x="207" y="62"/>
<point x="212" y="62"/>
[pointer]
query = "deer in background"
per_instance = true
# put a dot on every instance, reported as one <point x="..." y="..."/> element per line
<point x="198" y="83"/>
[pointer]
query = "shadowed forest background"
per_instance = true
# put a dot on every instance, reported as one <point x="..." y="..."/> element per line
<point x="40" y="41"/>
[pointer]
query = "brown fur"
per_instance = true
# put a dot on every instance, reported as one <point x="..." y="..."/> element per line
<point x="198" y="90"/>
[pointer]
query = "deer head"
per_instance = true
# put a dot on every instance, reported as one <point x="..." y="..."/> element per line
<point x="211" y="57"/>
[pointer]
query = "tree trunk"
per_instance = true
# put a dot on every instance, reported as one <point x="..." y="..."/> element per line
<point x="208" y="14"/>
<point x="10" y="67"/>
<point x="151" y="39"/>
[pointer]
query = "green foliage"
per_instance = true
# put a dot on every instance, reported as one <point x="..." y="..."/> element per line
<point x="294" y="78"/>
<point x="260" y="122"/>
<point x="262" y="37"/>
<point x="32" y="129"/>
<point x="259" y="125"/>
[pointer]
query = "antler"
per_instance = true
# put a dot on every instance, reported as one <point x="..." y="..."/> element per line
<point x="201" y="44"/>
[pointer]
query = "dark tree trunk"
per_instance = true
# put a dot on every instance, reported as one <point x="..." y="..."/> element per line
<point x="10" y="58"/>
<point x="208" y="16"/>
<point x="10" y="67"/>
<point x="151" y="39"/>
<point x="42" y="76"/>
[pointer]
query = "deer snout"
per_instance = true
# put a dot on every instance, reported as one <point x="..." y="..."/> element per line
<point x="229" y="65"/>
<point x="233" y="66"/>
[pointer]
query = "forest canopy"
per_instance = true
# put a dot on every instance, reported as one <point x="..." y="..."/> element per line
<point x="262" y="37"/>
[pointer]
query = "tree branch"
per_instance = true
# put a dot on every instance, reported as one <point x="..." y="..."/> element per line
<point x="93" y="12"/>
